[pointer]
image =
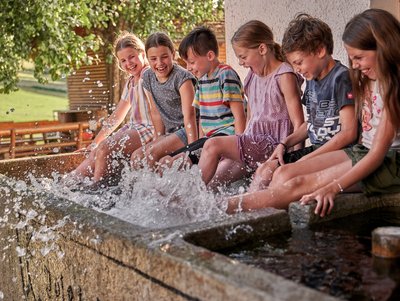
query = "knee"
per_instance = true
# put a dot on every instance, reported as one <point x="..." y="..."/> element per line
<point x="265" y="170"/>
<point x="210" y="148"/>
<point x="296" y="182"/>
<point x="103" y="149"/>
<point x="136" y="157"/>
<point x="166" y="161"/>
<point x="281" y="174"/>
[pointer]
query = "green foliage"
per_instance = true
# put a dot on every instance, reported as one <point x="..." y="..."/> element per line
<point x="56" y="34"/>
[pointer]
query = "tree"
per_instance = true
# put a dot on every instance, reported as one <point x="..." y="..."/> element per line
<point x="56" y="34"/>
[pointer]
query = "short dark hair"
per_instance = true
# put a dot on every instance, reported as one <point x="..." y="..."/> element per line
<point x="308" y="34"/>
<point x="201" y="40"/>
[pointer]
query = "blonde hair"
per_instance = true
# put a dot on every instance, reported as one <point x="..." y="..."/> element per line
<point x="127" y="39"/>
<point x="253" y="33"/>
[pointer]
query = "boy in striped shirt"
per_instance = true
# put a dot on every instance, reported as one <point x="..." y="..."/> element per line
<point x="219" y="95"/>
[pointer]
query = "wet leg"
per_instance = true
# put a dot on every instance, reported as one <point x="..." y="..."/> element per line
<point x="320" y="172"/>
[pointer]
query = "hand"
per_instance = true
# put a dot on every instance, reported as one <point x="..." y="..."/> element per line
<point x="324" y="196"/>
<point x="278" y="154"/>
<point x="82" y="150"/>
<point x="91" y="146"/>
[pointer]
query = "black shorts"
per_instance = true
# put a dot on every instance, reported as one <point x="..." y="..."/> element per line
<point x="194" y="148"/>
<point x="298" y="154"/>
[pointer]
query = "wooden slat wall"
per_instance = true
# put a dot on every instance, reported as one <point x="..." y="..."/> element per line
<point x="88" y="88"/>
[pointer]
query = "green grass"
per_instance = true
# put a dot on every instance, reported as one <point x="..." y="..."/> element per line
<point x="30" y="105"/>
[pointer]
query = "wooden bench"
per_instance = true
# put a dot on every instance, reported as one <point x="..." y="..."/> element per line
<point x="34" y="138"/>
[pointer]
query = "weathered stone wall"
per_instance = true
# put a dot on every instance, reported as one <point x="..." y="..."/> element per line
<point x="54" y="249"/>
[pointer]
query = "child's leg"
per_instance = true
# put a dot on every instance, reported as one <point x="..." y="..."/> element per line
<point x="139" y="154"/>
<point x="120" y="145"/>
<point x="214" y="149"/>
<point x="291" y="170"/>
<point x="167" y="161"/>
<point x="86" y="168"/>
<point x="320" y="171"/>
<point x="263" y="175"/>
<point x="183" y="154"/>
<point x="158" y="149"/>
<point x="228" y="171"/>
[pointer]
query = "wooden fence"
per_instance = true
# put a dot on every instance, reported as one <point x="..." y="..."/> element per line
<point x="20" y="139"/>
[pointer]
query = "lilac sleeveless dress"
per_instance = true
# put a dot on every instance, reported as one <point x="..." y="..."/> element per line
<point x="270" y="121"/>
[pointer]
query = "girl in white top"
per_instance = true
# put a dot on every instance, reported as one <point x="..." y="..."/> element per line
<point x="130" y="53"/>
<point x="373" y="165"/>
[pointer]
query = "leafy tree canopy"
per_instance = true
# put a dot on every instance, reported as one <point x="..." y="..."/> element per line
<point x="55" y="34"/>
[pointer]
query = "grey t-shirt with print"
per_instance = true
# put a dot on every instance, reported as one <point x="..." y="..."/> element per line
<point x="323" y="100"/>
<point x="167" y="97"/>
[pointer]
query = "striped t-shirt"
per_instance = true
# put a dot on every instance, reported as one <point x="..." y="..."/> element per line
<point x="140" y="110"/>
<point x="213" y="95"/>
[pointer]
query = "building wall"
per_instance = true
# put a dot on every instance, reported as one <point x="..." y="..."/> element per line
<point x="278" y="13"/>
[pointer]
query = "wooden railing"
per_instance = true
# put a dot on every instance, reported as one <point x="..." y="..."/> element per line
<point x="19" y="140"/>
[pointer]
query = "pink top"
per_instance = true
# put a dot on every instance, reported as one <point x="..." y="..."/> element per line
<point x="270" y="121"/>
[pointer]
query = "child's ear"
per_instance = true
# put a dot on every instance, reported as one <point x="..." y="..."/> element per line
<point x="263" y="49"/>
<point x="211" y="55"/>
<point x="321" y="52"/>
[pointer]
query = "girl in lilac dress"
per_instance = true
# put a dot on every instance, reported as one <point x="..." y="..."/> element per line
<point x="274" y="108"/>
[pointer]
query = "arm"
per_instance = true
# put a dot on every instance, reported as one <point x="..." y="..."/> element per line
<point x="155" y="116"/>
<point x="201" y="133"/>
<point x="111" y="123"/>
<point x="248" y="114"/>
<point x="347" y="134"/>
<point x="189" y="116"/>
<point x="298" y="136"/>
<point x="382" y="141"/>
<point x="291" y="93"/>
<point x="238" y="113"/>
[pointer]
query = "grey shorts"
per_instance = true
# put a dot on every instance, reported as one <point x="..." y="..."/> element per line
<point x="386" y="179"/>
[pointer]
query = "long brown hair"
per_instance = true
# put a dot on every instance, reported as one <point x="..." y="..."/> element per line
<point x="377" y="30"/>
<point x="253" y="33"/>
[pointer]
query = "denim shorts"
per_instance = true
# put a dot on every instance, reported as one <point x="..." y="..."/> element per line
<point x="181" y="133"/>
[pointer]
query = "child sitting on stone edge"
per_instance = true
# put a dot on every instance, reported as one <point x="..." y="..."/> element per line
<point x="219" y="94"/>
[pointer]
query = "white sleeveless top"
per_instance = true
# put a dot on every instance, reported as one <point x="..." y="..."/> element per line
<point x="371" y="116"/>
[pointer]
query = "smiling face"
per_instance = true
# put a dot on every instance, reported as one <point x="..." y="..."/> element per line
<point x="363" y="60"/>
<point x="309" y="65"/>
<point x="161" y="61"/>
<point x="251" y="58"/>
<point x="131" y="60"/>
<point x="198" y="65"/>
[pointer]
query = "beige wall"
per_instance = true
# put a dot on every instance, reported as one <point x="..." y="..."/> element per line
<point x="278" y="13"/>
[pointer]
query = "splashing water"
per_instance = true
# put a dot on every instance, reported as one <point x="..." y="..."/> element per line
<point x="31" y="217"/>
<point x="144" y="197"/>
